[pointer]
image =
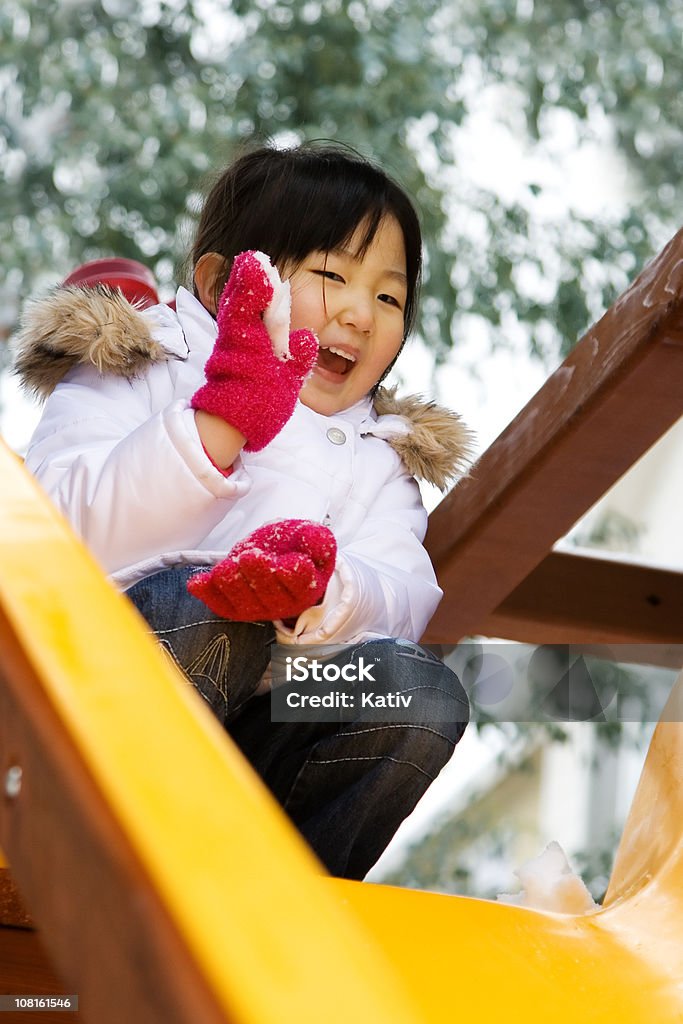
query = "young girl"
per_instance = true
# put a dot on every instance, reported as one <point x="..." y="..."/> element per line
<point x="238" y="471"/>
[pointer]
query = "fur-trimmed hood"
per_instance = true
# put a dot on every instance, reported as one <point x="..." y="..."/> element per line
<point x="98" y="326"/>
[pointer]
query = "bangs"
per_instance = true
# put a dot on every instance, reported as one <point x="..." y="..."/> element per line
<point x="321" y="212"/>
<point x="312" y="198"/>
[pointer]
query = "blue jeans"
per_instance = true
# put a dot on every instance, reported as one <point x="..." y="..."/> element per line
<point x="347" y="786"/>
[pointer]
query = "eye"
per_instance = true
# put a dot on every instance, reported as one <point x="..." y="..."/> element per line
<point x="390" y="300"/>
<point x="329" y="275"/>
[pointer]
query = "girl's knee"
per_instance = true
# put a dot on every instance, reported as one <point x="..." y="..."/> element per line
<point x="420" y="682"/>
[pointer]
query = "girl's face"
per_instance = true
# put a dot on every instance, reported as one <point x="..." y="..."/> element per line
<point x="355" y="306"/>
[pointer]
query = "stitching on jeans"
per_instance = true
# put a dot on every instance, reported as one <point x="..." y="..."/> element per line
<point x="400" y="725"/>
<point x="189" y="625"/>
<point x="185" y="625"/>
<point x="377" y="757"/>
<point x="337" y="760"/>
<point x="439" y="689"/>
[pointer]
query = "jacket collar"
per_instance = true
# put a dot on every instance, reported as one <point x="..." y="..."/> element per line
<point x="193" y="317"/>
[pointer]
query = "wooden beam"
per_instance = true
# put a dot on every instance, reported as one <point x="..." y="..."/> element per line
<point x="13" y="911"/>
<point x="613" y="397"/>
<point x="25" y="969"/>
<point x="573" y="598"/>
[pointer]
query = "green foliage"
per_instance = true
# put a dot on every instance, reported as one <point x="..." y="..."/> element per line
<point x="112" y="113"/>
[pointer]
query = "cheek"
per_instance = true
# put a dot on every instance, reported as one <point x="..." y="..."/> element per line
<point x="391" y="349"/>
<point x="307" y="308"/>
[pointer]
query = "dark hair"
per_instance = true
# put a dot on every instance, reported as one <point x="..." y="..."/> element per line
<point x="313" y="197"/>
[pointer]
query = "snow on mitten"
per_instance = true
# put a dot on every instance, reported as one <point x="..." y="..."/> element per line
<point x="257" y="368"/>
<point x="277" y="572"/>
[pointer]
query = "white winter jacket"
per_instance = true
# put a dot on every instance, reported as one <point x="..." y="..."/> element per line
<point x="118" y="452"/>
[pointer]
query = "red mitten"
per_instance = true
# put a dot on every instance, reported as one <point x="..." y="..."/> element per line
<point x="257" y="368"/>
<point x="277" y="572"/>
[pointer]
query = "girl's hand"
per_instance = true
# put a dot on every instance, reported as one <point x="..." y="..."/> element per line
<point x="277" y="572"/>
<point x="257" y="367"/>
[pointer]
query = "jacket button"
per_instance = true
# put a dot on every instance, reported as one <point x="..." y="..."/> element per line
<point x="336" y="436"/>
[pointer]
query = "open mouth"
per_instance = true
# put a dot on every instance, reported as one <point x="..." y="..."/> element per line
<point x="336" y="361"/>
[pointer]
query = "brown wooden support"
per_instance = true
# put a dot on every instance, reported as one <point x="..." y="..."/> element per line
<point x="613" y="397"/>
<point x="583" y="599"/>
<point x="26" y="969"/>
<point x="13" y="911"/>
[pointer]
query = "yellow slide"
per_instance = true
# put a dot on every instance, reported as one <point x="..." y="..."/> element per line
<point x="167" y="885"/>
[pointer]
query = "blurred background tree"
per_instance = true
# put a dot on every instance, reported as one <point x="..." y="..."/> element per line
<point x="113" y="112"/>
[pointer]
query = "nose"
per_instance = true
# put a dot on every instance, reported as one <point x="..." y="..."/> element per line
<point x="357" y="311"/>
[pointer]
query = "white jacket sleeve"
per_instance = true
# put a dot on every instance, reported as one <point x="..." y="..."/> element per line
<point x="127" y="469"/>
<point x="383" y="583"/>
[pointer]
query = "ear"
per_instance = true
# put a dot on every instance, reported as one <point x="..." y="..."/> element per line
<point x="210" y="267"/>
